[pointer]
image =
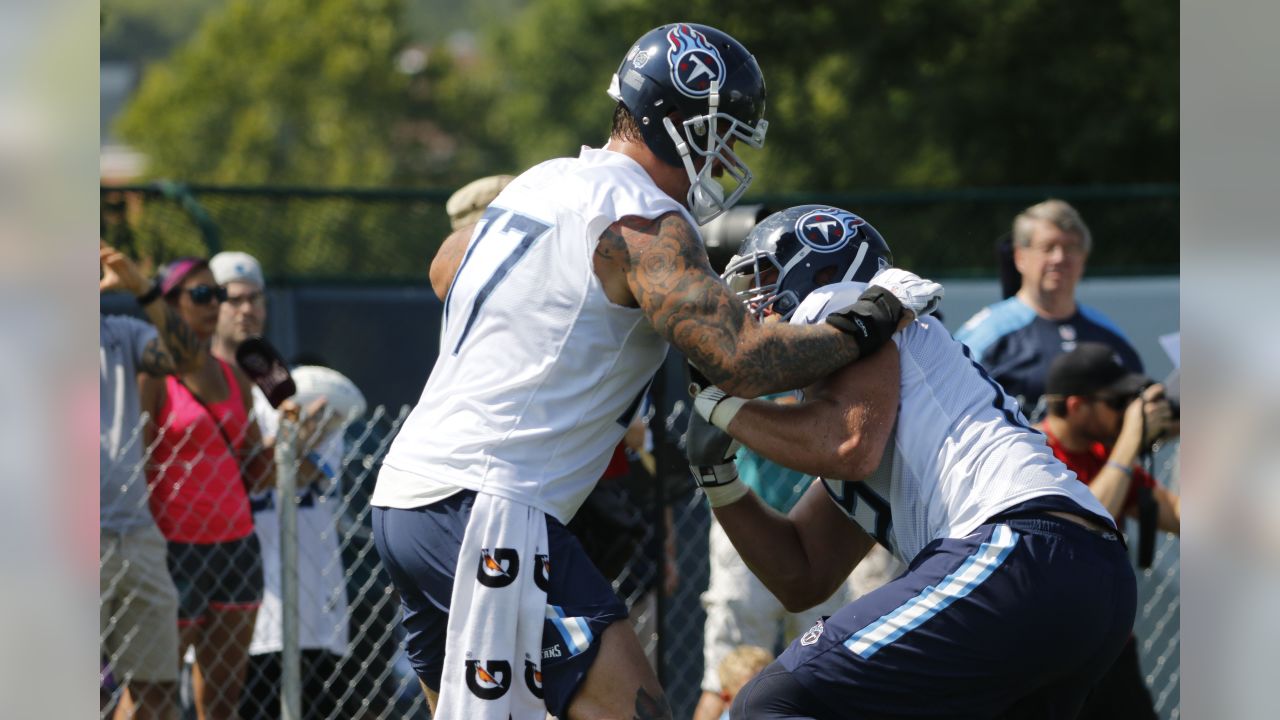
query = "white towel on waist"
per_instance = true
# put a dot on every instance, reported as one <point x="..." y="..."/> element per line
<point x="493" y="647"/>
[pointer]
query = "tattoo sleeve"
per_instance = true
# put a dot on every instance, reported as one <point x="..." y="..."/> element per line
<point x="672" y="280"/>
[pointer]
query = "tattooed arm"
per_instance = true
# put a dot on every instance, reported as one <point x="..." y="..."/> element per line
<point x="176" y="349"/>
<point x="663" y="268"/>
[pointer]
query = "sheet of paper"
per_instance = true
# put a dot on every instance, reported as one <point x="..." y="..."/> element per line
<point x="1172" y="344"/>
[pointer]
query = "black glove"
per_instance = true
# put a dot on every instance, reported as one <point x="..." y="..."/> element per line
<point x="707" y="446"/>
<point x="710" y="451"/>
<point x="870" y="321"/>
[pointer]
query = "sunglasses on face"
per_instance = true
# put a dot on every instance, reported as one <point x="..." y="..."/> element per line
<point x="205" y="294"/>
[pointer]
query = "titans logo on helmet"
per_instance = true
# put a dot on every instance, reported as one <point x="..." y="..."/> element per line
<point x="827" y="229"/>
<point x="498" y="567"/>
<point x="533" y="678"/>
<point x="488" y="681"/>
<point x="542" y="572"/>
<point x="694" y="61"/>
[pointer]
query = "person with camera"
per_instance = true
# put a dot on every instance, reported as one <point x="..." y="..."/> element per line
<point x="1101" y="419"/>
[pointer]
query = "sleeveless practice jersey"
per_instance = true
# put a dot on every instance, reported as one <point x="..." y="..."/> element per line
<point x="539" y="373"/>
<point x="961" y="452"/>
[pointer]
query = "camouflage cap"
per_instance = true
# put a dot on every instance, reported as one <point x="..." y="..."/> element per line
<point x="467" y="204"/>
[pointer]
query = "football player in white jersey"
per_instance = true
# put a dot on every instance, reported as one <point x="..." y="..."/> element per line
<point x="577" y="277"/>
<point x="1018" y="593"/>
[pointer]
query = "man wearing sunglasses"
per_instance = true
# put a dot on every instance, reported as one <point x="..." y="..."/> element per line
<point x="1100" y="417"/>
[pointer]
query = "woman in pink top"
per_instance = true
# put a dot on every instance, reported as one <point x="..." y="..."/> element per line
<point x="206" y="455"/>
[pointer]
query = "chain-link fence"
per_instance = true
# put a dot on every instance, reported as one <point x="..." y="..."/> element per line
<point x="345" y="617"/>
<point x="362" y="235"/>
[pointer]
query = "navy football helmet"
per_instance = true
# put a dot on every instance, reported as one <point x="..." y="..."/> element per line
<point x="793" y="252"/>
<point x="718" y="90"/>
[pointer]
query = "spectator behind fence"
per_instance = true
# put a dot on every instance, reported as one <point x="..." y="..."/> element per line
<point x="1016" y="338"/>
<point x="138" y="603"/>
<point x="205" y="449"/>
<point x="322" y="600"/>
<point x="1101" y="420"/>
<point x="465" y="206"/>
<point x="737" y="668"/>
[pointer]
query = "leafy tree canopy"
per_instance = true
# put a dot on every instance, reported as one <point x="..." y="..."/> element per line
<point x="884" y="93"/>
<point x="277" y="91"/>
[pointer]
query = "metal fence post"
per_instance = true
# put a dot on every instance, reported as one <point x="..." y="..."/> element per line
<point x="286" y="500"/>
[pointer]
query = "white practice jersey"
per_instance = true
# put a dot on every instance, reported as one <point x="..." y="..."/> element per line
<point x="539" y="374"/>
<point x="961" y="451"/>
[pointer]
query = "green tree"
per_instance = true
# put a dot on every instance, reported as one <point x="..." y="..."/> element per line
<point x="874" y="95"/>
<point x="277" y="91"/>
<point x="144" y="30"/>
<point x="884" y="93"/>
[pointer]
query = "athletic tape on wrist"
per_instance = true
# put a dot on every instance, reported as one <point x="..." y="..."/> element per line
<point x="724" y="411"/>
<point x="716" y="407"/>
<point x="721" y="495"/>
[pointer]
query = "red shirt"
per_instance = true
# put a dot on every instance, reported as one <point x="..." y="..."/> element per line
<point x="618" y="465"/>
<point x="1089" y="463"/>
<point x="197" y="495"/>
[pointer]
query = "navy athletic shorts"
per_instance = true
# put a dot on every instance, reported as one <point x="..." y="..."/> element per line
<point x="1019" y="619"/>
<point x="214" y="577"/>
<point x="419" y="548"/>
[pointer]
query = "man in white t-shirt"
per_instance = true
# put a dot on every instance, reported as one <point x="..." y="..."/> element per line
<point x="322" y="599"/>
<point x="577" y="277"/>
<point x="1018" y="592"/>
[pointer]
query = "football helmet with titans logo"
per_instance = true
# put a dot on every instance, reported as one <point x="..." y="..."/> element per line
<point x="792" y="252"/>
<point x="694" y="91"/>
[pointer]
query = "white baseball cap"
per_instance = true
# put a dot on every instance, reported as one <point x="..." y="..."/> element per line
<point x="232" y="266"/>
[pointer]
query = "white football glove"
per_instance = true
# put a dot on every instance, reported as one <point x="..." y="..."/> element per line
<point x="916" y="294"/>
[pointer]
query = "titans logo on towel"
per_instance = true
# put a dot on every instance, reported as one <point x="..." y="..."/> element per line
<point x="490" y="680"/>
<point x="542" y="571"/>
<point x="533" y="678"/>
<point x="498" y="567"/>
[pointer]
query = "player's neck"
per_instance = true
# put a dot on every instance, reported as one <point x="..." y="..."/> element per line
<point x="1060" y="429"/>
<point x="1052" y="306"/>
<point x="671" y="180"/>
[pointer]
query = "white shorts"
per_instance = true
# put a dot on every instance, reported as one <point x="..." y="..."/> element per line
<point x="742" y="611"/>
